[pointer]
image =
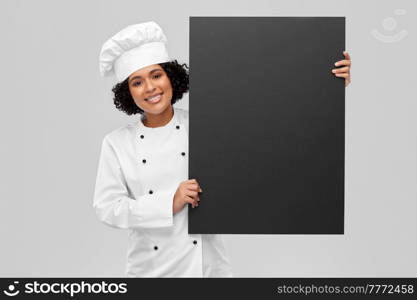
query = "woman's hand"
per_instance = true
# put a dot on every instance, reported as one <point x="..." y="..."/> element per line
<point x="187" y="192"/>
<point x="343" y="69"/>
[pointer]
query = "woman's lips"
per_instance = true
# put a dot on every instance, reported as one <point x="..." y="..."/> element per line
<point x="155" y="99"/>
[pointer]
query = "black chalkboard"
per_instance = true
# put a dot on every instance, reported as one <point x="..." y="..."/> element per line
<point x="267" y="124"/>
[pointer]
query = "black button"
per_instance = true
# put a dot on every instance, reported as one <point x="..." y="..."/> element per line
<point x="141" y="136"/>
<point x="182" y="153"/>
<point x="178" y="127"/>
<point x="144" y="160"/>
<point x="156" y="247"/>
<point x="195" y="242"/>
<point x="150" y="192"/>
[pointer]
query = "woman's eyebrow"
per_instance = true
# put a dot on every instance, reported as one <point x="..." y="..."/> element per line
<point x="136" y="77"/>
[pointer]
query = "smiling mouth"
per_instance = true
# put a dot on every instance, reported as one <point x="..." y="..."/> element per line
<point x="154" y="99"/>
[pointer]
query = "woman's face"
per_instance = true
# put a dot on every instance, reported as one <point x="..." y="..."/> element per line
<point x="148" y="82"/>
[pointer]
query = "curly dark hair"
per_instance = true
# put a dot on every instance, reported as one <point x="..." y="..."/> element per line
<point x="178" y="75"/>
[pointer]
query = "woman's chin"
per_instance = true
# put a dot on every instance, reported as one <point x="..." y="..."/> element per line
<point x="156" y="109"/>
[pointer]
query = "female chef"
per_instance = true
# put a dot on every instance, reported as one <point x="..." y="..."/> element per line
<point x="142" y="181"/>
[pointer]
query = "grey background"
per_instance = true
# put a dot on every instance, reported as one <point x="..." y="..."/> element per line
<point x="56" y="109"/>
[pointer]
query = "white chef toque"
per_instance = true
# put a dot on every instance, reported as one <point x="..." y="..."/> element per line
<point x="133" y="48"/>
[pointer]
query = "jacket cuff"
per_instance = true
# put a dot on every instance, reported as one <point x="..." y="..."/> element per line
<point x="156" y="210"/>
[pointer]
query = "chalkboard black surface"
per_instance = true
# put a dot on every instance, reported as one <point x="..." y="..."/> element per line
<point x="267" y="125"/>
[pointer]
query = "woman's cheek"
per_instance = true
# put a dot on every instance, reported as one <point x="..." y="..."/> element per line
<point x="138" y="102"/>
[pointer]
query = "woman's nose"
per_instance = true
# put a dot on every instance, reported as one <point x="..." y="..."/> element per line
<point x="149" y="86"/>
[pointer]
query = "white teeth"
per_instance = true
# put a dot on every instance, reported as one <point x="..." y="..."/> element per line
<point x="154" y="99"/>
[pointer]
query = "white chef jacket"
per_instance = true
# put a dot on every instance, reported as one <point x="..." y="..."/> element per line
<point x="140" y="168"/>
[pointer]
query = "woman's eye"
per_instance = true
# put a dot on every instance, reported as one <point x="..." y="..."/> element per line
<point x="137" y="83"/>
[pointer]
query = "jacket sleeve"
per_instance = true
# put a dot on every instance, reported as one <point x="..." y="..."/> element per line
<point x="113" y="205"/>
